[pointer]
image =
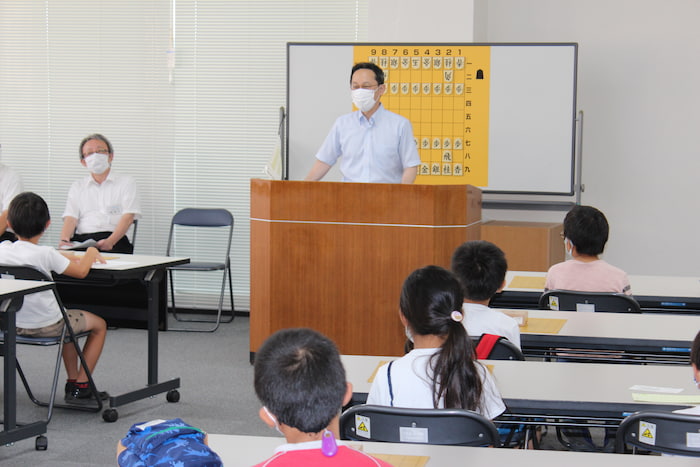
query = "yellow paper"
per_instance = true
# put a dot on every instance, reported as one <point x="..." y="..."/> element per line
<point x="543" y="325"/>
<point x="527" y="282"/>
<point x="374" y="373"/>
<point x="400" y="460"/>
<point x="681" y="399"/>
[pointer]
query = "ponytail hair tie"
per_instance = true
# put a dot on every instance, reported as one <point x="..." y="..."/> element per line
<point x="457" y="316"/>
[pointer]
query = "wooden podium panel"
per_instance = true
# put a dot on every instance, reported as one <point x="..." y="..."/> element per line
<point x="332" y="256"/>
<point x="529" y="246"/>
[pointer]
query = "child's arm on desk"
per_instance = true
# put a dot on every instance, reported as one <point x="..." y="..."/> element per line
<point x="80" y="268"/>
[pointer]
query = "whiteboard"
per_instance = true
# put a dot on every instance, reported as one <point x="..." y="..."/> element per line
<point x="531" y="117"/>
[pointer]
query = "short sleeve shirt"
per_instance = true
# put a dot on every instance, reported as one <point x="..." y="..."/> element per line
<point x="99" y="207"/>
<point x="371" y="151"/>
<point x="39" y="309"/>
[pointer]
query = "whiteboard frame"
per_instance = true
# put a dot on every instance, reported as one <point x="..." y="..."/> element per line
<point x="325" y="96"/>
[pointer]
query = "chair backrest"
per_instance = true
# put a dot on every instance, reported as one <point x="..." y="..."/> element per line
<point x="569" y="300"/>
<point x="201" y="217"/>
<point x="503" y="349"/>
<point x="429" y="426"/>
<point x="28" y="273"/>
<point x="669" y="433"/>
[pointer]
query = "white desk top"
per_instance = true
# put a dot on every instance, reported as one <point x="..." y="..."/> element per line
<point x="13" y="286"/>
<point x="659" y="327"/>
<point x="643" y="286"/>
<point x="236" y="450"/>
<point x="602" y="387"/>
<point x="124" y="262"/>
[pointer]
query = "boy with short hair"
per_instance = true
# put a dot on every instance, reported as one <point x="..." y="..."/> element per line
<point x="481" y="267"/>
<point x="301" y="383"/>
<point x="40" y="315"/>
<point x="585" y="234"/>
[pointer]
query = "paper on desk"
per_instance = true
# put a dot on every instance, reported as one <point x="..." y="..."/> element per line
<point x="645" y="388"/>
<point x="681" y="399"/>
<point x="374" y="373"/>
<point x="527" y="282"/>
<point x="112" y="263"/>
<point x="401" y="460"/>
<point x="543" y="325"/>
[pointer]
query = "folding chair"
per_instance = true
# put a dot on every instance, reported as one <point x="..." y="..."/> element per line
<point x="200" y="218"/>
<point x="570" y="300"/>
<point x="457" y="427"/>
<point x="67" y="336"/>
<point x="664" y="432"/>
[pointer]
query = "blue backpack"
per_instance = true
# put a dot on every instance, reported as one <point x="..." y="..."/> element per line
<point x="166" y="443"/>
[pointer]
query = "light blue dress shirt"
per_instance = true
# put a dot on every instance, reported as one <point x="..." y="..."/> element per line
<point x="373" y="151"/>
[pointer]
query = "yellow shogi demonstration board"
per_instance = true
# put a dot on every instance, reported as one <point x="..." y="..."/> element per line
<point x="444" y="92"/>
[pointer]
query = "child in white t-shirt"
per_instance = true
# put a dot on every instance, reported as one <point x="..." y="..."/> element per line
<point x="441" y="370"/>
<point x="481" y="267"/>
<point x="40" y="315"/>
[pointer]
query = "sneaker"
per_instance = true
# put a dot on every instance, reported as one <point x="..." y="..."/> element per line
<point x="83" y="396"/>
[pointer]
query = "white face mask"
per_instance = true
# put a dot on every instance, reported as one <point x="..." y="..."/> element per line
<point x="409" y="334"/>
<point x="363" y="98"/>
<point x="274" y="419"/>
<point x="97" y="162"/>
<point x="568" y="246"/>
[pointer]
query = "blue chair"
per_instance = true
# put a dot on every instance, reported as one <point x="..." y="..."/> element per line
<point x="457" y="427"/>
<point x="664" y="432"/>
<point x="210" y="219"/>
<point x="570" y="300"/>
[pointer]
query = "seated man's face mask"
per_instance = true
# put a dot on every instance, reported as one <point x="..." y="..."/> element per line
<point x="97" y="163"/>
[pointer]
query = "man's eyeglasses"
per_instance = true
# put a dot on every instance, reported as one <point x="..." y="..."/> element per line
<point x="99" y="151"/>
<point x="364" y="86"/>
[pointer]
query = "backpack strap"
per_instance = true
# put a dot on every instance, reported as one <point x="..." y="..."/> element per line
<point x="391" y="389"/>
<point x="485" y="345"/>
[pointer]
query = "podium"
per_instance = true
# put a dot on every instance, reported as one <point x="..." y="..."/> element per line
<point x="333" y="256"/>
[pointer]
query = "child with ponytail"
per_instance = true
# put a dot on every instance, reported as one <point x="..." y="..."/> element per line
<point x="441" y="370"/>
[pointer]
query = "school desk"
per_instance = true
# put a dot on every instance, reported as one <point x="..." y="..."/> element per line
<point x="151" y="270"/>
<point x="12" y="431"/>
<point x="239" y="451"/>
<point x="557" y="389"/>
<point x="657" y="338"/>
<point x="654" y="293"/>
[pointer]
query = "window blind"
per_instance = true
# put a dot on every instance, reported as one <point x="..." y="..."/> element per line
<point x="187" y="91"/>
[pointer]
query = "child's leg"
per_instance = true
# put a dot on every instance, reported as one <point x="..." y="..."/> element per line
<point x="84" y="321"/>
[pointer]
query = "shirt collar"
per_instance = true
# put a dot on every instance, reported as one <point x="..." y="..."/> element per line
<point x="303" y="446"/>
<point x="110" y="178"/>
<point x="361" y="117"/>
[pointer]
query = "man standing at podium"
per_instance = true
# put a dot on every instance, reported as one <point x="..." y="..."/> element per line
<point x="376" y="145"/>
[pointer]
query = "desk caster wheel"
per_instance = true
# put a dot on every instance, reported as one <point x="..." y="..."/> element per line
<point x="173" y="395"/>
<point x="110" y="415"/>
<point x="41" y="443"/>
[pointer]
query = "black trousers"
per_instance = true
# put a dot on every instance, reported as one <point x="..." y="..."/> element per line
<point x="122" y="246"/>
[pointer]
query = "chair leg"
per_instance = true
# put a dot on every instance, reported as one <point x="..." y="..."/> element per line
<point x="219" y="311"/>
<point x="230" y="291"/>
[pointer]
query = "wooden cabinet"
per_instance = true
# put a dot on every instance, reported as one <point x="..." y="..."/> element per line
<point x="529" y="246"/>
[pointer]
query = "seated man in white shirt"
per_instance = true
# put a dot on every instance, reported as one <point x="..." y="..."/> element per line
<point x="480" y="267"/>
<point x="102" y="205"/>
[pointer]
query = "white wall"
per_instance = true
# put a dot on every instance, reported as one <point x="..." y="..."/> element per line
<point x="421" y="21"/>
<point x="639" y="68"/>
